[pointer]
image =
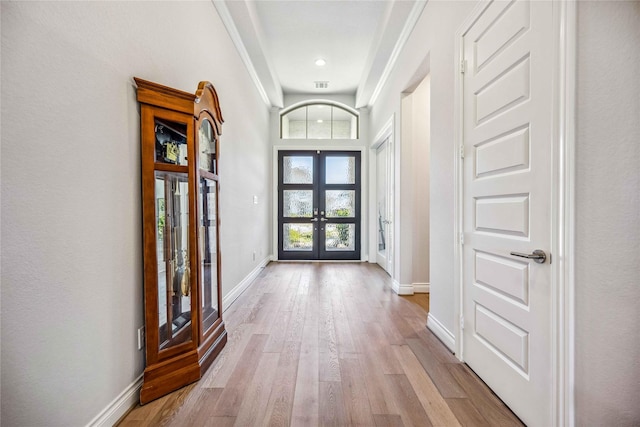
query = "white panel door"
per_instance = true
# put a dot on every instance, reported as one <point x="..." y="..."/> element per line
<point x="507" y="91"/>
<point x="383" y="206"/>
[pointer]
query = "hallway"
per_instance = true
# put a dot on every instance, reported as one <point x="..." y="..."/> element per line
<point x="328" y="344"/>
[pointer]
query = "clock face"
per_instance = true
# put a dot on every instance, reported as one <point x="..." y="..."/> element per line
<point x="207" y="145"/>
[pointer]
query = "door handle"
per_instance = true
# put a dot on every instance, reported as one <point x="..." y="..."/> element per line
<point x="314" y="219"/>
<point x="323" y="219"/>
<point x="538" y="256"/>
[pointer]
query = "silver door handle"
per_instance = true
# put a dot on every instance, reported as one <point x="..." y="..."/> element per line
<point x="538" y="256"/>
<point x="314" y="219"/>
<point x="323" y="219"/>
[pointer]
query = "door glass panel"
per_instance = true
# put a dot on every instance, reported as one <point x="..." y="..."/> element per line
<point x="297" y="237"/>
<point x="318" y="122"/>
<point x="381" y="195"/>
<point x="174" y="274"/>
<point x="208" y="247"/>
<point x="340" y="170"/>
<point x="297" y="169"/>
<point x="344" y="124"/>
<point x="340" y="203"/>
<point x="207" y="147"/>
<point x="171" y="142"/>
<point x="298" y="203"/>
<point x="340" y="237"/>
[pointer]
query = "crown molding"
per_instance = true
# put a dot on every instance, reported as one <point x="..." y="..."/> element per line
<point x="229" y="24"/>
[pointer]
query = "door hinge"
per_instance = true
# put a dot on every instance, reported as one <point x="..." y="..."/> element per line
<point x="461" y="322"/>
<point x="461" y="238"/>
<point x="463" y="66"/>
<point x="462" y="151"/>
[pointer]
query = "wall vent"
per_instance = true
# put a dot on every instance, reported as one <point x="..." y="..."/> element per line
<point x="321" y="85"/>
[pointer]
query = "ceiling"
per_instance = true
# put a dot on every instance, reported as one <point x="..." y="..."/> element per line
<point x="280" y="40"/>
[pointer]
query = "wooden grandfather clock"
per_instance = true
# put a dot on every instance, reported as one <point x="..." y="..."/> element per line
<point x="182" y="288"/>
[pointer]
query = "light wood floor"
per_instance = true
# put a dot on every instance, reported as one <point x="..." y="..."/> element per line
<point x="329" y="344"/>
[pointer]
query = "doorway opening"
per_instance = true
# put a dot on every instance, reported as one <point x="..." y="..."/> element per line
<point x="412" y="206"/>
<point x="319" y="211"/>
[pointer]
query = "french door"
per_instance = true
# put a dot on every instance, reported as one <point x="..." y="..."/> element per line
<point x="319" y="205"/>
<point x="384" y="205"/>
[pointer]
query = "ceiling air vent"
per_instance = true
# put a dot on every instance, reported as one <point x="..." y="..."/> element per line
<point x="322" y="85"/>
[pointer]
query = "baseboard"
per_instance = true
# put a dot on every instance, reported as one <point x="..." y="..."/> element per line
<point x="421" y="288"/>
<point x="244" y="284"/>
<point x="441" y="332"/>
<point x="119" y="407"/>
<point x="401" y="289"/>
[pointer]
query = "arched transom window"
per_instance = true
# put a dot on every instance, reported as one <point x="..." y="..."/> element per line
<point x="319" y="120"/>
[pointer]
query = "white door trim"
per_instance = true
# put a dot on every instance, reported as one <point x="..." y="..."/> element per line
<point x="563" y="205"/>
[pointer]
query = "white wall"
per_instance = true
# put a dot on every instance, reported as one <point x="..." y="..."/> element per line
<point x="430" y="49"/>
<point x="420" y="166"/>
<point x="608" y="215"/>
<point x="412" y="199"/>
<point x="71" y="214"/>
<point x="413" y="254"/>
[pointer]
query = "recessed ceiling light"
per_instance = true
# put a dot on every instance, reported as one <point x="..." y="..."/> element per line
<point x="320" y="62"/>
<point x="320" y="120"/>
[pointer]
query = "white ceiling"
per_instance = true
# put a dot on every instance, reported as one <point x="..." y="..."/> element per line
<point x="280" y="40"/>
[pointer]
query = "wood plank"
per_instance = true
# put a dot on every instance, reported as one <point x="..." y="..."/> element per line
<point x="298" y="314"/>
<point x="417" y="323"/>
<point x="196" y="399"/>
<point x="254" y="405"/>
<point x="306" y="399"/>
<point x="344" y="340"/>
<point x="487" y="403"/>
<point x="411" y="410"/>
<point x="396" y="330"/>
<point x="438" y="372"/>
<point x="222" y="368"/>
<point x="377" y="343"/>
<point x="278" y="332"/>
<point x="267" y="317"/>
<point x="219" y="422"/>
<point x="439" y="350"/>
<point x="354" y="391"/>
<point x="434" y="404"/>
<point x="378" y="391"/>
<point x="172" y="405"/>
<point x="203" y="411"/>
<point x="386" y="420"/>
<point x="327" y="341"/>
<point x="280" y="403"/>
<point x="259" y="310"/>
<point x="148" y="411"/>
<point x="332" y="411"/>
<point x="466" y="413"/>
<point x="234" y="392"/>
<point x="329" y="366"/>
<point x="419" y="302"/>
